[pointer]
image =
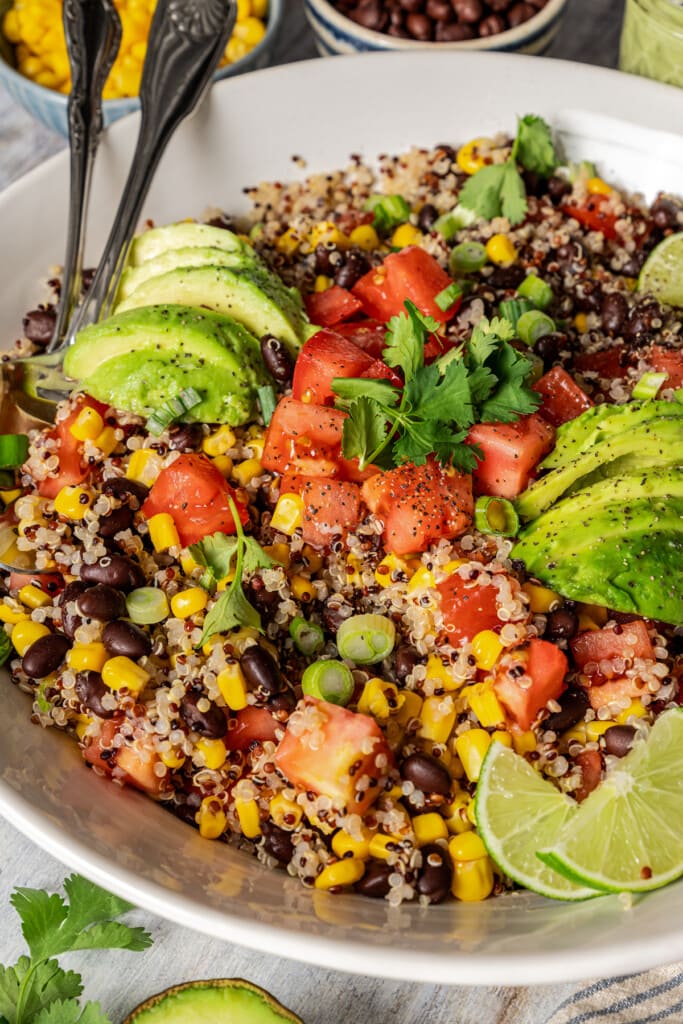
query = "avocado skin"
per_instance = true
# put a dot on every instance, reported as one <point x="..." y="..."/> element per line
<point x="140" y="359"/>
<point x="224" y="1001"/>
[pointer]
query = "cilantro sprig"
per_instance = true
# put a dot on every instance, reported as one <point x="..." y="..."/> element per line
<point x="36" y="990"/>
<point x="498" y="190"/>
<point x="216" y="554"/>
<point x="484" y="380"/>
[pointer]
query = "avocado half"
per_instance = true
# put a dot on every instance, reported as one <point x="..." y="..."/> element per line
<point x="220" y="1001"/>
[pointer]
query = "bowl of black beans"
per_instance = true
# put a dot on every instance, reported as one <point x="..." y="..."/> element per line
<point x="352" y="26"/>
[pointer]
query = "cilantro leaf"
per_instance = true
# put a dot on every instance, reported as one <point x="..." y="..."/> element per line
<point x="482" y="382"/>
<point x="42" y="915"/>
<point x="486" y="337"/>
<point x="365" y="430"/>
<point x="255" y="557"/>
<point x="349" y="388"/>
<point x="231" y="609"/>
<point x="513" y="397"/>
<point x="481" y="191"/>
<point x="216" y="553"/>
<point x="47" y="982"/>
<point x="534" y="148"/>
<point x="437" y="393"/>
<point x="512" y="195"/>
<point x="68" y="1011"/>
<point x="406" y="339"/>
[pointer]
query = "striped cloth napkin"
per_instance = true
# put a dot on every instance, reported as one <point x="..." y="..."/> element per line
<point x="645" y="998"/>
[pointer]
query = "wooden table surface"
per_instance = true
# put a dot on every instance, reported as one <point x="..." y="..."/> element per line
<point x="120" y="980"/>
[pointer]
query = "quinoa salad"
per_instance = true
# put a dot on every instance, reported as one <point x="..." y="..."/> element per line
<point x="297" y="625"/>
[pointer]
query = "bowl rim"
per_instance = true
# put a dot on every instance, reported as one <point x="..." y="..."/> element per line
<point x="503" y="40"/>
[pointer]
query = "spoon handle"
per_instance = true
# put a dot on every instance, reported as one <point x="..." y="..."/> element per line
<point x="186" y="41"/>
<point x="93" y="35"/>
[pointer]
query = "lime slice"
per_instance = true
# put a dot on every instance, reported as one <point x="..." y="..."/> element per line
<point x="519" y="812"/>
<point x="662" y="273"/>
<point x="627" y="836"/>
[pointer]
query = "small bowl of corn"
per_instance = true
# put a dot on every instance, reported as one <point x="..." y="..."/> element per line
<point x="34" y="66"/>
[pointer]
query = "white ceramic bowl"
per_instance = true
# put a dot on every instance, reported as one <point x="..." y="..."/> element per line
<point x="250" y="129"/>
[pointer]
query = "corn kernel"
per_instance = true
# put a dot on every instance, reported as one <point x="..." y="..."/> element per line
<point x="250" y="31"/>
<point x="259" y="8"/>
<point x="428" y="828"/>
<point x="598" y="187"/>
<point x="188" y="563"/>
<point x="502" y="736"/>
<point x="26" y="633"/>
<point x="456" y="817"/>
<point x="301" y="587"/>
<point x="219" y="442"/>
<point x="288" y="242"/>
<point x="437" y="718"/>
<point x="485" y="705"/>
<point x="440" y="673"/>
<point x="87" y="657"/>
<point x="379" y="699"/>
<point x="288" y="514"/>
<point x="322" y="283"/>
<point x="285" y="813"/>
<point x="172" y="759"/>
<point x="635" y="708"/>
<point x="352" y="573"/>
<point x="87" y="425"/>
<point x="390" y="570"/>
<point x="189" y="602"/>
<point x="243" y="10"/>
<point x="12" y="614"/>
<point x="214" y="753"/>
<point x="343" y="872"/>
<point x="577" y="734"/>
<point x="327" y="233"/>
<point x="523" y="742"/>
<point x="236" y="49"/>
<point x="381" y="847"/>
<point x="472" y="880"/>
<point x="121" y="671"/>
<point x="364" y="237"/>
<point x="344" y="845"/>
<point x="468" y="846"/>
<point x="73" y="502"/>
<point x="469" y="157"/>
<point x="501" y="251"/>
<point x="249" y="818"/>
<point x="144" y="466"/>
<point x="597" y="612"/>
<point x="541" y="599"/>
<point x="410" y="708"/>
<point x="211" y="818"/>
<point x="596" y="728"/>
<point x="279" y="553"/>
<point x="82" y="723"/>
<point x="486" y="648"/>
<point x="233" y="686"/>
<point x="33" y="597"/>
<point x="162" y="532"/>
<point x="422" y="579"/>
<point x="245" y="472"/>
<point x="8" y="497"/>
<point x="404" y="235"/>
<point x="106" y="441"/>
<point x="471" y="747"/>
<point x="581" y="323"/>
<point x="223" y="464"/>
<point x="587" y="624"/>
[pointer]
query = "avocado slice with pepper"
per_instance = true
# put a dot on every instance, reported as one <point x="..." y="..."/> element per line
<point x="190" y="256"/>
<point x="152" y="243"/>
<point x="225" y="1001"/>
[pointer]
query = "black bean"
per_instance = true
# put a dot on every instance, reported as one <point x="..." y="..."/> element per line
<point x="665" y="213"/>
<point x="561" y="624"/>
<point x="427" y="216"/>
<point x="646" y="317"/>
<point x="491" y="26"/>
<point x="613" y="312"/>
<point x="370" y="14"/>
<point x="90" y="690"/>
<point x="588" y="296"/>
<point x="221" y="220"/>
<point x="499" y="5"/>
<point x="472" y="309"/>
<point x="211" y="723"/>
<point x="45" y="655"/>
<point x="115" y="521"/>
<point x="534" y="183"/>
<point x="125" y="490"/>
<point x="285" y="702"/>
<point x="115" y="570"/>
<point x="427" y="774"/>
<point x="519" y="13"/>
<point x="261" y="670"/>
<point x="549" y="345"/>
<point x="125" y="639"/>
<point x="411" y="5"/>
<point x="439" y="10"/>
<point x="71" y="620"/>
<point x="434" y="880"/>
<point x="186" y="437"/>
<point x="506" y="277"/>
<point x="406" y="660"/>
<point x="352" y="269"/>
<point x="573" y="705"/>
<point x="276" y="358"/>
<point x="375" y="881"/>
<point x="420" y="27"/>
<point x="454" y="32"/>
<point x="619" y="740"/>
<point x="277" y="842"/>
<point x="571" y="255"/>
<point x="324" y="264"/>
<point x="102" y="602"/>
<point x="468" y="11"/>
<point x="558" y="188"/>
<point x="262" y="598"/>
<point x="39" y="325"/>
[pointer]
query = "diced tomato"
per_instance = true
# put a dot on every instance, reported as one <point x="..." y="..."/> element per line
<point x="420" y="504"/>
<point x="370" y="335"/>
<point x="546" y="666"/>
<point x="511" y="453"/>
<point x="467" y="608"/>
<point x="331" y="509"/>
<point x="563" y="399"/>
<point x="50" y="583"/>
<point x="595" y="214"/>
<point x="131" y="765"/>
<point x="332" y="306"/>
<point x="327" y="754"/>
<point x="348" y="470"/>
<point x="72" y="471"/>
<point x="597" y="646"/>
<point x="590" y="763"/>
<point x="195" y="493"/>
<point x="251" y="725"/>
<point x="611" y="363"/>
<point x="667" y="360"/>
<point x="409" y="274"/>
<point x="303" y="439"/>
<point x="328" y="355"/>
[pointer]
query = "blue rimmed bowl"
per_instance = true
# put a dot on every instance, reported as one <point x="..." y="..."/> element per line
<point x="337" y="34"/>
<point x="49" y="106"/>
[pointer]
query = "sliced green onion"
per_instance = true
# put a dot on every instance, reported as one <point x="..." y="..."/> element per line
<point x="678" y="396"/>
<point x="513" y="309"/>
<point x="267" y="401"/>
<point x="13" y="450"/>
<point x="5" y="646"/>
<point x="448" y="224"/>
<point x="389" y="211"/>
<point x="648" y="385"/>
<point x="534" y="325"/>
<point x="173" y="410"/>
<point x="255" y="231"/>
<point x="536" y="289"/>
<point x="467" y="257"/>
<point x="147" y="605"/>
<point x="328" y="680"/>
<point x="496" y="515"/>
<point x="366" y="639"/>
<point x="308" y="637"/>
<point x="449" y="296"/>
<point x="7" y="480"/>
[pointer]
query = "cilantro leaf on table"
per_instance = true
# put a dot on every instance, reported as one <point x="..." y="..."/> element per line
<point x="69" y="1011"/>
<point x="47" y="983"/>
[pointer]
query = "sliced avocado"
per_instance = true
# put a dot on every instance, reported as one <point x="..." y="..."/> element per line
<point x="141" y="358"/>
<point x="255" y="297"/>
<point x="156" y="241"/>
<point x="225" y="1001"/>
<point x="654" y="444"/>
<point x="191" y="256"/>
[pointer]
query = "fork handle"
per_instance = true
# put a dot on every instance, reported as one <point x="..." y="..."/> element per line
<point x="93" y="35"/>
<point x="186" y="41"/>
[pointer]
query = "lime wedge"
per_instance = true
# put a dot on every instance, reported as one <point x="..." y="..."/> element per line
<point x="519" y="812"/>
<point x="662" y="273"/>
<point x="627" y="836"/>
